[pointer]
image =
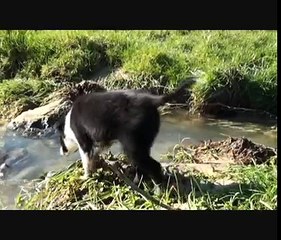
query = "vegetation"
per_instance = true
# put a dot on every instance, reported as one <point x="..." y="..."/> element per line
<point x="236" y="68"/>
<point x="248" y="188"/>
<point x="19" y="95"/>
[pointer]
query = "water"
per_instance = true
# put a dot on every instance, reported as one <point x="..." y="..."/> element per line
<point x="43" y="154"/>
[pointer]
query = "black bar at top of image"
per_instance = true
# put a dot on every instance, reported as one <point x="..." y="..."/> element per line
<point x="216" y="14"/>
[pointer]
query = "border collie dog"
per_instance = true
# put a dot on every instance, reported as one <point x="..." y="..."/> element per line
<point x="131" y="117"/>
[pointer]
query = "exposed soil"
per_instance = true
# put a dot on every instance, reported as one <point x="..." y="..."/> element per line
<point x="232" y="150"/>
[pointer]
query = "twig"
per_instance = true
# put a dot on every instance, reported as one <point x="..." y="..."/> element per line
<point x="243" y="109"/>
<point x="115" y="167"/>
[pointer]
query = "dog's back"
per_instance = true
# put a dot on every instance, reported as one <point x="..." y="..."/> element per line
<point x="120" y="106"/>
<point x="106" y="114"/>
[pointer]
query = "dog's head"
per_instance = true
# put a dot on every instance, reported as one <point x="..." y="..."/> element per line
<point x="68" y="142"/>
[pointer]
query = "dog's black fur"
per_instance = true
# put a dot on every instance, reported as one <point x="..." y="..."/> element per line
<point x="129" y="116"/>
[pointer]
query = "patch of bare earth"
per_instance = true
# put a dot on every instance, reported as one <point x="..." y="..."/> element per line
<point x="232" y="150"/>
<point x="213" y="158"/>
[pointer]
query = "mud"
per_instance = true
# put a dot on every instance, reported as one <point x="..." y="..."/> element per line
<point x="232" y="150"/>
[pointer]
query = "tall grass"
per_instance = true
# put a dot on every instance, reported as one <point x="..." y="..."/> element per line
<point x="232" y="65"/>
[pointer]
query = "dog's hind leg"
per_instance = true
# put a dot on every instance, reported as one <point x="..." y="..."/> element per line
<point x="140" y="155"/>
<point x="94" y="158"/>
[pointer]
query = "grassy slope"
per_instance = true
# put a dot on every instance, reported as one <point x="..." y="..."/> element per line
<point x="236" y="64"/>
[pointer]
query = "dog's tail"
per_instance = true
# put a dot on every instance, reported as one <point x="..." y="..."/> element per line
<point x="170" y="97"/>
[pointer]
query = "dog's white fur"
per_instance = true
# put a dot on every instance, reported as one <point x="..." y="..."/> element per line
<point x="72" y="145"/>
<point x="70" y="140"/>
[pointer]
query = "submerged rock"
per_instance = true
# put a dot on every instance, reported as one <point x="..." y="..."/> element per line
<point x="11" y="159"/>
<point x="3" y="155"/>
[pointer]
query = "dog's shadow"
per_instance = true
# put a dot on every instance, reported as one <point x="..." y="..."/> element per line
<point x="183" y="184"/>
<point x="211" y="194"/>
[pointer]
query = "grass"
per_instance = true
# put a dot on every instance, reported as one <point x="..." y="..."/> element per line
<point x="236" y="68"/>
<point x="18" y="95"/>
<point x="251" y="188"/>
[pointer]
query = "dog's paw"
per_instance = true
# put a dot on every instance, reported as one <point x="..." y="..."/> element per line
<point x="84" y="177"/>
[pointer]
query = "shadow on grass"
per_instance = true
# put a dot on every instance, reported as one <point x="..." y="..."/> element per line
<point x="220" y="194"/>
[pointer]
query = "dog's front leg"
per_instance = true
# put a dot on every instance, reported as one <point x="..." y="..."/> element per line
<point x="89" y="161"/>
<point x="94" y="159"/>
<point x="86" y="163"/>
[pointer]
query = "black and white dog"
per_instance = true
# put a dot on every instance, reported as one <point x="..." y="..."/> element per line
<point x="131" y="117"/>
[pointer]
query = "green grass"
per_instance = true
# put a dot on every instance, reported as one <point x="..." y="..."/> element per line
<point x="252" y="188"/>
<point x="255" y="188"/>
<point x="18" y="95"/>
<point x="237" y="68"/>
<point x="17" y="89"/>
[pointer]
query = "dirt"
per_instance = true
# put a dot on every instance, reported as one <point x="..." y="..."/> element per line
<point x="232" y="150"/>
<point x="70" y="91"/>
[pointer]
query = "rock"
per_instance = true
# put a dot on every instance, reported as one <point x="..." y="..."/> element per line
<point x="11" y="159"/>
<point x="3" y="156"/>
<point x="15" y="156"/>
<point x="36" y="121"/>
<point x="34" y="118"/>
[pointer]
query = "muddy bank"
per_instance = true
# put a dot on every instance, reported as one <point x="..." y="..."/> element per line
<point x="237" y="150"/>
<point x="231" y="150"/>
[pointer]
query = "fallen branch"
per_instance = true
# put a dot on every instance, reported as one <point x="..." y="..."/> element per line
<point x="243" y="109"/>
<point x="117" y="169"/>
